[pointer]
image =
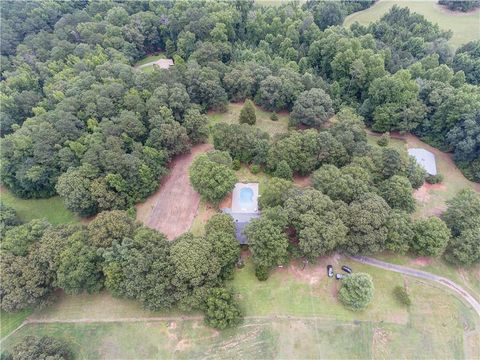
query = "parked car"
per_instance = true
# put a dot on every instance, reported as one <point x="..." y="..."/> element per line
<point x="346" y="269"/>
<point x="339" y="276"/>
<point x="330" y="270"/>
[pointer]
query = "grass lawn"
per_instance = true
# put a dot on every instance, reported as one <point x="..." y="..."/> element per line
<point x="465" y="26"/>
<point x="263" y="119"/>
<point x="10" y="321"/>
<point x="51" y="209"/>
<point x="469" y="278"/>
<point x="294" y="314"/>
<point x="150" y="58"/>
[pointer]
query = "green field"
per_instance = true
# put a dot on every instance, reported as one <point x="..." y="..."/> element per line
<point x="263" y="119"/>
<point x="150" y="58"/>
<point x="10" y="321"/>
<point x="51" y="209"/>
<point x="294" y="314"/>
<point x="465" y="26"/>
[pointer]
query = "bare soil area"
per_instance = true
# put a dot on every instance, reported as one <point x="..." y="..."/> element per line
<point x="172" y="208"/>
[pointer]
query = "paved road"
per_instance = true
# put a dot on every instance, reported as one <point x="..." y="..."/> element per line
<point x="423" y="275"/>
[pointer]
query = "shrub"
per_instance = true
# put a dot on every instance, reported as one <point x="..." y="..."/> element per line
<point x="236" y="164"/>
<point x="434" y="179"/>
<point x="274" y="116"/>
<point x="356" y="291"/>
<point x="384" y="139"/>
<point x="255" y="169"/>
<point x="261" y="272"/>
<point x="283" y="171"/>
<point x="402" y="296"/>
<point x="247" y="114"/>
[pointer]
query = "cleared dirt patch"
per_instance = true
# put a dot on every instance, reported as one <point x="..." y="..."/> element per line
<point x="172" y="208"/>
<point x="421" y="261"/>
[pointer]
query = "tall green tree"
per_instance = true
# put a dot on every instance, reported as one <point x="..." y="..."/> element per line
<point x="247" y="114"/>
<point x="431" y="237"/>
<point x="211" y="179"/>
<point x="357" y="291"/>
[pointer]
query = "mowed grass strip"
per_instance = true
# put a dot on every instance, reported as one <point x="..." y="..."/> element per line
<point x="465" y="26"/>
<point x="10" y="321"/>
<point x="52" y="209"/>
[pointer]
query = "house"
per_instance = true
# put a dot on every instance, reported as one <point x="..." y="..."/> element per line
<point x="244" y="208"/>
<point x="424" y="158"/>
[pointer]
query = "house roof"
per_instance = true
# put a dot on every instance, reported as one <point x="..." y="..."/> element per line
<point x="241" y="220"/>
<point x="425" y="158"/>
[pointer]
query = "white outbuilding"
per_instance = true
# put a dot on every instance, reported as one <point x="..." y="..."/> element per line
<point x="425" y="158"/>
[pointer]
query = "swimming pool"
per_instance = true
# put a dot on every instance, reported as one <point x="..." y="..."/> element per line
<point x="246" y="198"/>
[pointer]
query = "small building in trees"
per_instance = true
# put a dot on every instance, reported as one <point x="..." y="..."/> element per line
<point x="244" y="207"/>
<point x="425" y="159"/>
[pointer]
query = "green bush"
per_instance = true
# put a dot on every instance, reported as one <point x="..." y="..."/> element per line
<point x="261" y="272"/>
<point x="255" y="169"/>
<point x="236" y="164"/>
<point x="402" y="296"/>
<point x="434" y="179"/>
<point x="274" y="116"/>
<point x="384" y="139"/>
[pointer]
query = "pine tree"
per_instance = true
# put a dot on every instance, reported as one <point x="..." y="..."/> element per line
<point x="247" y="115"/>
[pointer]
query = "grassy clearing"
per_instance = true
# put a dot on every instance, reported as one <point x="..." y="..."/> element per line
<point x="465" y="26"/>
<point x="469" y="278"/>
<point x="10" y="321"/>
<point x="431" y="199"/>
<point x="150" y="58"/>
<point x="294" y="314"/>
<point x="263" y="119"/>
<point x="51" y="209"/>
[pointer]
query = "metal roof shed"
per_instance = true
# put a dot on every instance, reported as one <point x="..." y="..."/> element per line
<point x="425" y="158"/>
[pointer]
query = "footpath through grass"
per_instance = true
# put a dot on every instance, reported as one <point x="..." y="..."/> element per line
<point x="52" y="209"/>
<point x="465" y="26"/>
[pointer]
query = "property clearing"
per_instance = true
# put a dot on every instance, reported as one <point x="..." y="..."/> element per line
<point x="294" y="314"/>
<point x="431" y="199"/>
<point x="172" y="208"/>
<point x="53" y="209"/>
<point x="465" y="26"/>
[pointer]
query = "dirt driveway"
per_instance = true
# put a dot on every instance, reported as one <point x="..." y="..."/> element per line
<point x="172" y="208"/>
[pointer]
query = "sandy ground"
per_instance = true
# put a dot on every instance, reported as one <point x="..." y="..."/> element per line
<point x="172" y="208"/>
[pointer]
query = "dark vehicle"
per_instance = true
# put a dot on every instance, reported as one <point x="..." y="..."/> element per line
<point x="346" y="269"/>
<point x="339" y="276"/>
<point x="330" y="270"/>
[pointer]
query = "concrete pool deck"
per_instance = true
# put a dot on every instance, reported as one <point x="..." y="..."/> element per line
<point x="243" y="215"/>
<point x="238" y="205"/>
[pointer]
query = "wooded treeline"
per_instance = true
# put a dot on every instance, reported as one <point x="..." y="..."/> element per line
<point x="79" y="121"/>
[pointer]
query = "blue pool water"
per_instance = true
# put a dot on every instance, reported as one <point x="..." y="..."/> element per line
<point x="246" y="198"/>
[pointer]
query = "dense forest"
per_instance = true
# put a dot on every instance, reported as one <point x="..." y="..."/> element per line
<point x="78" y="120"/>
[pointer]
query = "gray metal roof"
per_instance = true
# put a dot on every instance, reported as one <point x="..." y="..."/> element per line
<point x="241" y="220"/>
<point x="425" y="158"/>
